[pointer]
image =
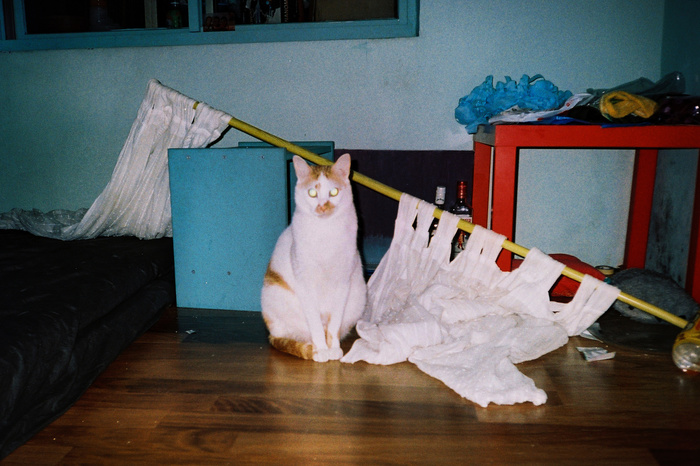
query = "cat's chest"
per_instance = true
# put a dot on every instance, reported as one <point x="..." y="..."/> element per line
<point x="336" y="228"/>
<point x="324" y="249"/>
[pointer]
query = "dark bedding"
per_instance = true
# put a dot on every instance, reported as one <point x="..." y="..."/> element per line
<point x="67" y="309"/>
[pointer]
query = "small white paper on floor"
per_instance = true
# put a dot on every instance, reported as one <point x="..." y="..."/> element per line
<point x="595" y="353"/>
<point x="587" y="334"/>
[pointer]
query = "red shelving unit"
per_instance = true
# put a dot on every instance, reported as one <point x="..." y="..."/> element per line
<point x="506" y="141"/>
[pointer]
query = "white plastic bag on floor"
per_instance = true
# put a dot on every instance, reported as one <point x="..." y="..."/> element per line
<point x="466" y="322"/>
<point x="136" y="201"/>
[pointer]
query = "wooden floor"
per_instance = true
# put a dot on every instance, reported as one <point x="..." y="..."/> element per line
<point x="221" y="395"/>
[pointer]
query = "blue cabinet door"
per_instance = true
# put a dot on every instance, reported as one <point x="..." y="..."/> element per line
<point x="229" y="206"/>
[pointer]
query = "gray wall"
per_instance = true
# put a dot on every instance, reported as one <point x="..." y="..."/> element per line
<point x="675" y="182"/>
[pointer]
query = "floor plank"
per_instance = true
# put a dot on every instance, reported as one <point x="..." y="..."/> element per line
<point x="204" y="387"/>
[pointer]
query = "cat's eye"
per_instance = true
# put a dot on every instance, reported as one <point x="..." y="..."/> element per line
<point x="312" y="192"/>
<point x="333" y="192"/>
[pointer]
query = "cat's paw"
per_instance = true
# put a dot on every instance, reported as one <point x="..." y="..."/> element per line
<point x="327" y="354"/>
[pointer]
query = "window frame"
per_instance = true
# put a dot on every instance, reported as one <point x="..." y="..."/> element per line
<point x="406" y="25"/>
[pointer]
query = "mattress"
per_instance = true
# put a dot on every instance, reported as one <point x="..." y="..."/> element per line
<point x="67" y="309"/>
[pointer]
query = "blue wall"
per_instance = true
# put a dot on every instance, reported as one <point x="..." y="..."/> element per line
<point x="68" y="112"/>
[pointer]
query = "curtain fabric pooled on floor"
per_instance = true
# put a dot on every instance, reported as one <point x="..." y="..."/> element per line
<point x="466" y="322"/>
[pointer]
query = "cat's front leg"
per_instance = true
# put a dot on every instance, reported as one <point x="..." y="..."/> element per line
<point x="339" y="301"/>
<point x="321" y="352"/>
<point x="319" y="340"/>
<point x="329" y="349"/>
<point x="333" y="335"/>
<point x="327" y="354"/>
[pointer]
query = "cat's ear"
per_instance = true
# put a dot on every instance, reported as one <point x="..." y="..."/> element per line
<point x="301" y="168"/>
<point x="342" y="166"/>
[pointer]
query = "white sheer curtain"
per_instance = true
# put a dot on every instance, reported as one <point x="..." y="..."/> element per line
<point x="466" y="322"/>
<point x="136" y="201"/>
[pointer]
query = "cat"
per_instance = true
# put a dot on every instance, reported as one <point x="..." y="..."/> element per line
<point x="314" y="290"/>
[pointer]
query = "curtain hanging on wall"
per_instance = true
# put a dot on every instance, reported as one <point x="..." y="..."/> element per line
<point x="136" y="201"/>
<point x="466" y="322"/>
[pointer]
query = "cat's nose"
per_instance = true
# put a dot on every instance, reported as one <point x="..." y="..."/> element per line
<point x="324" y="208"/>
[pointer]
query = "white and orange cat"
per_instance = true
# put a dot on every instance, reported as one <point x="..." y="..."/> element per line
<point x="314" y="291"/>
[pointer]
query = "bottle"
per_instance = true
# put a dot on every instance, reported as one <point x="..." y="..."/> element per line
<point x="463" y="211"/>
<point x="99" y="15"/>
<point x="174" y="17"/>
<point x="440" y="204"/>
<point x="686" y="349"/>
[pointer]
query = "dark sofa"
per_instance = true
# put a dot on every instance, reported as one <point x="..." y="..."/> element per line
<point x="67" y="309"/>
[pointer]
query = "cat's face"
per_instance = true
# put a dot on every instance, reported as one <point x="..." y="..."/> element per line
<point x="321" y="190"/>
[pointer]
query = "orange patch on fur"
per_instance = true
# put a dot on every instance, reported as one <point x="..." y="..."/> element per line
<point x="327" y="171"/>
<point x="326" y="208"/>
<point x="329" y="338"/>
<point x="339" y="180"/>
<point x="293" y="347"/>
<point x="325" y="319"/>
<point x="273" y="278"/>
<point x="318" y="170"/>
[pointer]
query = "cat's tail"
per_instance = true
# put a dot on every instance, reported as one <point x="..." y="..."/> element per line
<point x="293" y="347"/>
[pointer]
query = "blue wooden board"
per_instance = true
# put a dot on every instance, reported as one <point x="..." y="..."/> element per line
<point x="323" y="148"/>
<point x="229" y="206"/>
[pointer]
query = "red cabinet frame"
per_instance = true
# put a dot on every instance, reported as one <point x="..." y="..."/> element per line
<point x="500" y="179"/>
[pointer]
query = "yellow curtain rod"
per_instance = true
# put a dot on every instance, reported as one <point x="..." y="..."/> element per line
<point x="463" y="225"/>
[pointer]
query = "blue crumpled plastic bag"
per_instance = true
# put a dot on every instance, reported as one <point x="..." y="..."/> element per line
<point x="485" y="101"/>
